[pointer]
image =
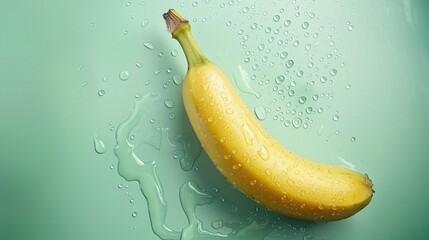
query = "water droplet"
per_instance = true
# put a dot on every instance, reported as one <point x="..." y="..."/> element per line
<point x="268" y="172"/>
<point x="305" y="25"/>
<point x="245" y="9"/>
<point x="333" y="72"/>
<point x="350" y="27"/>
<point x="296" y="122"/>
<point x="307" y="237"/>
<point x="323" y="79"/>
<point x="289" y="63"/>
<point x="352" y="139"/>
<point x="287" y="123"/>
<point x="79" y="67"/>
<point x="149" y="45"/>
<point x="287" y="23"/>
<point x="276" y="18"/>
<point x="236" y="166"/>
<point x="101" y="93"/>
<point x="177" y="79"/>
<point x="336" y="117"/>
<point x="145" y="22"/>
<point x="112" y="167"/>
<point x="99" y="146"/>
<point x="124" y="75"/>
<point x="280" y="79"/>
<point x="172" y="116"/>
<point x="253" y="182"/>
<point x="291" y="93"/>
<point x="84" y="83"/>
<point x="263" y="153"/>
<point x="157" y="71"/>
<point x="134" y="214"/>
<point x="315" y="97"/>
<point x="261" y="46"/>
<point x="311" y="14"/>
<point x="174" y="52"/>
<point x="290" y="182"/>
<point x="169" y="103"/>
<point x="120" y="186"/>
<point x="260" y="112"/>
<point x="321" y="130"/>
<point x="283" y="55"/>
<point x="296" y="43"/>
<point x="194" y="4"/>
<point x="308" y="47"/>
<point x="299" y="73"/>
<point x="254" y="26"/>
<point x="302" y="99"/>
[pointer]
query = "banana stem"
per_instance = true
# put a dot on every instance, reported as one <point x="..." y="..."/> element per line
<point x="180" y="30"/>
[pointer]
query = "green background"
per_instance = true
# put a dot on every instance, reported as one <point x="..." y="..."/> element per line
<point x="55" y="54"/>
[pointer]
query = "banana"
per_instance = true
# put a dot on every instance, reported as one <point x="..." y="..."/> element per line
<point x="249" y="157"/>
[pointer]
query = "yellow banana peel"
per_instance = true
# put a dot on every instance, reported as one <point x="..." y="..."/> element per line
<point x="249" y="157"/>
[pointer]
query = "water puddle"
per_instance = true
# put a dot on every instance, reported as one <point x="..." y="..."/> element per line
<point x="132" y="168"/>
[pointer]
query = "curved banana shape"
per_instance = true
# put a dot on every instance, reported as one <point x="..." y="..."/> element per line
<point x="249" y="157"/>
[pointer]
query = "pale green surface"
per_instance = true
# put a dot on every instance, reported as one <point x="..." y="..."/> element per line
<point x="53" y="185"/>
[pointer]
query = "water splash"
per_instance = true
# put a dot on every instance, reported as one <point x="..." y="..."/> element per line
<point x="340" y="161"/>
<point x="132" y="168"/>
<point x="153" y="137"/>
<point x="242" y="80"/>
<point x="191" y="196"/>
<point x="189" y="149"/>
